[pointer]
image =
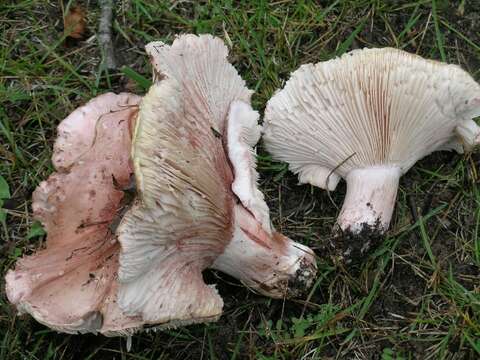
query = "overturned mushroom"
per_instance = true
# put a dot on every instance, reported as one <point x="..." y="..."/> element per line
<point x="197" y="205"/>
<point x="367" y="117"/>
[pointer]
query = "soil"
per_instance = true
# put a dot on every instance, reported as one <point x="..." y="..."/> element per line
<point x="353" y="247"/>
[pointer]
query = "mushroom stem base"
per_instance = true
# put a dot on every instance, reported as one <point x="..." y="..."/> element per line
<point x="269" y="263"/>
<point x="370" y="199"/>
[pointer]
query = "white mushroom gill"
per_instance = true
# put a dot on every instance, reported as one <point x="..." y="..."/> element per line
<point x="367" y="117"/>
<point x="182" y="218"/>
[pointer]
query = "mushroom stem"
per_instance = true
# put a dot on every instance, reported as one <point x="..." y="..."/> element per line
<point x="271" y="264"/>
<point x="370" y="199"/>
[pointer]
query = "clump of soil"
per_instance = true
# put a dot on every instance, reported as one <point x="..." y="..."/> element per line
<point x="299" y="284"/>
<point x="352" y="247"/>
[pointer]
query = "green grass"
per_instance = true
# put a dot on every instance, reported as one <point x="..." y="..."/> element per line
<point x="417" y="296"/>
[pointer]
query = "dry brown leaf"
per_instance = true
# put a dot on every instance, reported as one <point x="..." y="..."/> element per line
<point x="131" y="85"/>
<point x="74" y="23"/>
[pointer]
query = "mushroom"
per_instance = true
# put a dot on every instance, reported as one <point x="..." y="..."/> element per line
<point x="114" y="265"/>
<point x="367" y="117"/>
<point x="71" y="284"/>
<point x="198" y="204"/>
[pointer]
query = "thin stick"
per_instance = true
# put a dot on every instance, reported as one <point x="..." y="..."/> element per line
<point x="105" y="34"/>
<point x="328" y="178"/>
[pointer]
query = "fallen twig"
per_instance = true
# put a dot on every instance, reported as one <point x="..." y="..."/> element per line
<point x="105" y="34"/>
